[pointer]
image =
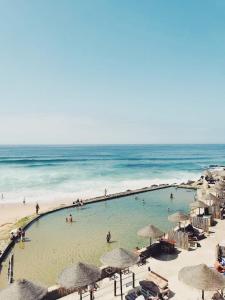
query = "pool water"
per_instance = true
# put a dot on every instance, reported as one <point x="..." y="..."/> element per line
<point x="54" y="244"/>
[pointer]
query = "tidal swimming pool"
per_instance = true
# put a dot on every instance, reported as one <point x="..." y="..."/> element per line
<point x="54" y="244"/>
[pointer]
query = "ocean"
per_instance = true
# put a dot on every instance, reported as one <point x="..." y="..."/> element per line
<point x="52" y="173"/>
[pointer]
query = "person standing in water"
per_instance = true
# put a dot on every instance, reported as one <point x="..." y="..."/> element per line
<point x="108" y="237"/>
<point x="171" y="196"/>
<point x="37" y="208"/>
<point x="70" y="218"/>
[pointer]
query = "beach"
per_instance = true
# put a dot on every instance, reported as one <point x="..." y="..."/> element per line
<point x="11" y="213"/>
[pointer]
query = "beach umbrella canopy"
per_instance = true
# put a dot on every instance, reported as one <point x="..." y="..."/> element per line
<point x="151" y="232"/>
<point x="79" y="275"/>
<point x="208" y="174"/>
<point x="198" y="204"/>
<point x="222" y="173"/>
<point x="23" y="290"/>
<point x="202" y="278"/>
<point x="178" y="217"/>
<point x="220" y="185"/>
<point x="212" y="198"/>
<point x="119" y="258"/>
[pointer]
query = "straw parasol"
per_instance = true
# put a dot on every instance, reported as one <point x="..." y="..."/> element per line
<point x="151" y="232"/>
<point x="178" y="217"/>
<point x="220" y="185"/>
<point x="202" y="278"/>
<point x="120" y="258"/>
<point x="222" y="173"/>
<point x="198" y="204"/>
<point x="78" y="276"/>
<point x="208" y="174"/>
<point x="23" y="290"/>
<point x="212" y="198"/>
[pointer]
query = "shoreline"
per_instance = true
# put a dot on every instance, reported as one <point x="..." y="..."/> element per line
<point x="23" y="215"/>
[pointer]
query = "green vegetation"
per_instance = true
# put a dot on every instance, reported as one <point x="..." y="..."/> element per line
<point x="22" y="222"/>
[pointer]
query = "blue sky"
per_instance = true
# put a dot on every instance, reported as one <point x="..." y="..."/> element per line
<point x="112" y="71"/>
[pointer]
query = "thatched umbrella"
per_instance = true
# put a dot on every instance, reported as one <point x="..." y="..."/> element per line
<point x="79" y="276"/>
<point x="220" y="185"/>
<point x="202" y="278"/>
<point x="198" y="204"/>
<point x="212" y="199"/>
<point x="222" y="173"/>
<point x="23" y="290"/>
<point x="121" y="259"/>
<point x="178" y="217"/>
<point x="208" y="174"/>
<point x="151" y="232"/>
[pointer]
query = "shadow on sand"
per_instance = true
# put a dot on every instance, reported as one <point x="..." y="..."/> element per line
<point x="167" y="257"/>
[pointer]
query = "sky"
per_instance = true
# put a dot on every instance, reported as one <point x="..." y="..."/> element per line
<point x="115" y="71"/>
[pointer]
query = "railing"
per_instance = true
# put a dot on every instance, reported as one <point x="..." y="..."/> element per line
<point x="181" y="239"/>
<point x="200" y="223"/>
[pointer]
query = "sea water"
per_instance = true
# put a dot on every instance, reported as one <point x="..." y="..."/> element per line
<point x="66" y="172"/>
<point x="53" y="244"/>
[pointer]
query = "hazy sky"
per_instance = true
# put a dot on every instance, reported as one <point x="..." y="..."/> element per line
<point x="112" y="71"/>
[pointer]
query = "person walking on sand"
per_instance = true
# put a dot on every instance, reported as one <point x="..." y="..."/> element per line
<point x="37" y="208"/>
<point x="105" y="192"/>
<point x="24" y="201"/>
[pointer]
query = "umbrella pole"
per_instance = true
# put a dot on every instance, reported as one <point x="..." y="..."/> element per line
<point x="202" y="294"/>
<point x="91" y="295"/>
<point x="150" y="241"/>
<point x="80" y="292"/>
<point x="121" y="286"/>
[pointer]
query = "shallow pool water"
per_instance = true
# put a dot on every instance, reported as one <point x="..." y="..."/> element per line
<point x="54" y="244"/>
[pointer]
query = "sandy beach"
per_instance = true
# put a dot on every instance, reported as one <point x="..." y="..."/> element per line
<point x="11" y="213"/>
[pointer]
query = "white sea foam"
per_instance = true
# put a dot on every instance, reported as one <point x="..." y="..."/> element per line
<point x="71" y="189"/>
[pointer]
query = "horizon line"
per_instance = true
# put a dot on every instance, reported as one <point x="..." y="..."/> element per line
<point x="107" y="144"/>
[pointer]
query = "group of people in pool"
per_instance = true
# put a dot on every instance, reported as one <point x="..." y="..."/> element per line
<point x="78" y="202"/>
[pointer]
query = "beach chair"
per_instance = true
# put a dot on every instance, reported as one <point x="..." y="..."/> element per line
<point x="132" y="294"/>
